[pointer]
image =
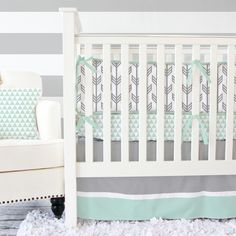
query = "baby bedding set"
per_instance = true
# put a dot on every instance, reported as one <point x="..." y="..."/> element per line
<point x="140" y="198"/>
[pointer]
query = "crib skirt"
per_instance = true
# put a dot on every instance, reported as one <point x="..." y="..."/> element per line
<point x="143" y="198"/>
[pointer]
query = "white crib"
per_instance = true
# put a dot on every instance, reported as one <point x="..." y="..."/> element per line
<point x="87" y="45"/>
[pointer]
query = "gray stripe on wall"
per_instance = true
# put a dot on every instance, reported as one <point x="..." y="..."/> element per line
<point x="155" y="185"/>
<point x="121" y="5"/>
<point x="52" y="86"/>
<point x="30" y="43"/>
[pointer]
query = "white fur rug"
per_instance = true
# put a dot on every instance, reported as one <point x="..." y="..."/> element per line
<point x="44" y="224"/>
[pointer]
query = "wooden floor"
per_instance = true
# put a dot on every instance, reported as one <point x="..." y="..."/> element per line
<point x="11" y="215"/>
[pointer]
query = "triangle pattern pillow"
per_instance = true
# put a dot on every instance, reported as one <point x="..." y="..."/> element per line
<point x="17" y="113"/>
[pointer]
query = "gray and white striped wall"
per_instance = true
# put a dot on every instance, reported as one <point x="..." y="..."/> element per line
<point x="32" y="41"/>
<point x="121" y="5"/>
<point x="31" y="31"/>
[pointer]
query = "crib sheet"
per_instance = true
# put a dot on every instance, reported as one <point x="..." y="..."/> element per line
<point x="151" y="126"/>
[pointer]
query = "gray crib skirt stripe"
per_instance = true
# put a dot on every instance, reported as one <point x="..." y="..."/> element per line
<point x="157" y="185"/>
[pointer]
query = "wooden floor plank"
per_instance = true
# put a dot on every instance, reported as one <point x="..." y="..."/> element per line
<point x="11" y="215"/>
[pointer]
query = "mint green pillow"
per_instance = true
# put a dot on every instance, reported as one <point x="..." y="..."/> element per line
<point x="17" y="113"/>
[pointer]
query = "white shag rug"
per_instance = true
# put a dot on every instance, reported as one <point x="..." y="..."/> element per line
<point x="39" y="223"/>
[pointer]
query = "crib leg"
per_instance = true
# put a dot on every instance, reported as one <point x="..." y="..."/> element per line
<point x="58" y="206"/>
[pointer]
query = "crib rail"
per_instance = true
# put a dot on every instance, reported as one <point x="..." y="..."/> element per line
<point x="137" y="169"/>
<point x="160" y="166"/>
<point x="152" y="39"/>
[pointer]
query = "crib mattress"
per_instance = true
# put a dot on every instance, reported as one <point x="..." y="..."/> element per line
<point x="151" y="126"/>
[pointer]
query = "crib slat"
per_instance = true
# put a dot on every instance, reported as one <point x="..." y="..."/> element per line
<point x="213" y="104"/>
<point x="230" y="103"/>
<point x="160" y="102"/>
<point x="106" y="103"/>
<point x="178" y="103"/>
<point x="124" y="103"/>
<point x="88" y="107"/>
<point x="142" y="102"/>
<point x="195" y="104"/>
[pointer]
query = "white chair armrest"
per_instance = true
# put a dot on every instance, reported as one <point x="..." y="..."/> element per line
<point x="48" y="115"/>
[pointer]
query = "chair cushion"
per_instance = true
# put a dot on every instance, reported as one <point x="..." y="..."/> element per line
<point x="17" y="113"/>
<point x="18" y="155"/>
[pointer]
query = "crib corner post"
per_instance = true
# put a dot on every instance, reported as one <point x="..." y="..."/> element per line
<point x="69" y="81"/>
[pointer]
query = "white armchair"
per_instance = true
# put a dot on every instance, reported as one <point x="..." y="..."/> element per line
<point x="33" y="169"/>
